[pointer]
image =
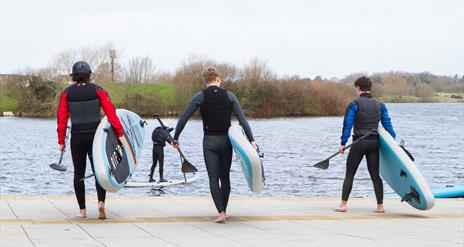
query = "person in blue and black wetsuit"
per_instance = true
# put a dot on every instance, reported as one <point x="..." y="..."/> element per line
<point x="216" y="107"/>
<point x="364" y="114"/>
<point x="159" y="137"/>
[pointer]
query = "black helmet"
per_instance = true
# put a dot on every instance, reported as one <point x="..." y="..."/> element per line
<point x="81" y="67"/>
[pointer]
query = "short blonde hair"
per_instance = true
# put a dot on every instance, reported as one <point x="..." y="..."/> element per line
<point x="210" y="74"/>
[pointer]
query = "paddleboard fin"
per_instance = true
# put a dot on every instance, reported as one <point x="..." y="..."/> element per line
<point x="411" y="195"/>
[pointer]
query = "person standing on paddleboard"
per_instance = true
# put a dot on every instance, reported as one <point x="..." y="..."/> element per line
<point x="82" y="102"/>
<point x="216" y="108"/>
<point x="364" y="114"/>
<point x="159" y="137"/>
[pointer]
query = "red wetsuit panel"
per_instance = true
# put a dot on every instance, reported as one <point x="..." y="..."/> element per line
<point x="63" y="115"/>
<point x="109" y="110"/>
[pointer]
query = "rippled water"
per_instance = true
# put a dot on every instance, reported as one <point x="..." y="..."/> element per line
<point x="434" y="133"/>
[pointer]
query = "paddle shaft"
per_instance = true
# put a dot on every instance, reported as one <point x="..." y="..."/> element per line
<point x="347" y="147"/>
<point x="61" y="156"/>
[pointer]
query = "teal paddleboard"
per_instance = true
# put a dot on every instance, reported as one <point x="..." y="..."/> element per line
<point x="449" y="192"/>
<point x="400" y="172"/>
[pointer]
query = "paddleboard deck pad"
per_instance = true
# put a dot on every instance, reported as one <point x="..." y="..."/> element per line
<point x="189" y="178"/>
<point x="252" y="165"/>
<point x="400" y="172"/>
<point x="114" y="163"/>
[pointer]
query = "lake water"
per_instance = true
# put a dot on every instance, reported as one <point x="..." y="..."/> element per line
<point x="434" y="133"/>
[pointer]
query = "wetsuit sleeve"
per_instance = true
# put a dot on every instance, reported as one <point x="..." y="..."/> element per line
<point x="109" y="110"/>
<point x="240" y="116"/>
<point x="386" y="120"/>
<point x="166" y="136"/>
<point x="62" y="119"/>
<point x="348" y="122"/>
<point x="192" y="107"/>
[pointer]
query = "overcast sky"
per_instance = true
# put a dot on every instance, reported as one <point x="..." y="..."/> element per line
<point x="307" y="38"/>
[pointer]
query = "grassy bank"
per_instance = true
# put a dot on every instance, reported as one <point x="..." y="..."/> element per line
<point x="7" y="102"/>
<point x="258" y="99"/>
<point x="120" y="92"/>
<point x="435" y="98"/>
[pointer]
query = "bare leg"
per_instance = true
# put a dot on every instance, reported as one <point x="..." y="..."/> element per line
<point x="101" y="210"/>
<point x="342" y="207"/>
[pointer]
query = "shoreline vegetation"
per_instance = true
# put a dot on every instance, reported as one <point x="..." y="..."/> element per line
<point x="141" y="87"/>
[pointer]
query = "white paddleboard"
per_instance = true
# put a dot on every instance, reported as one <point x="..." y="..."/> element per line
<point x="113" y="163"/>
<point x="190" y="178"/>
<point x="252" y="166"/>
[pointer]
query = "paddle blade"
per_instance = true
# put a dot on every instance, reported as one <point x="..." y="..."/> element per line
<point x="58" y="167"/>
<point x="323" y="164"/>
<point x="187" y="167"/>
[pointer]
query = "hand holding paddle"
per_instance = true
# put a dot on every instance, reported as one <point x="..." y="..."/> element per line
<point x="325" y="163"/>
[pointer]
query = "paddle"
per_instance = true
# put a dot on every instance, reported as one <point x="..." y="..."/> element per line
<point x="187" y="167"/>
<point x="325" y="163"/>
<point x="58" y="166"/>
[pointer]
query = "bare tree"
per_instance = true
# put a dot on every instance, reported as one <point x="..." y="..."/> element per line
<point x="139" y="69"/>
<point x="257" y="71"/>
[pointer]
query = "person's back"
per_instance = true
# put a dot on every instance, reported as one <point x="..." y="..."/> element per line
<point x="216" y="107"/>
<point x="363" y="115"/>
<point x="82" y="102"/>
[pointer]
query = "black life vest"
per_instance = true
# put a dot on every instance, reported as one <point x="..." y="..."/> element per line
<point x="368" y="115"/>
<point x="160" y="136"/>
<point x="84" y="107"/>
<point x="216" y="111"/>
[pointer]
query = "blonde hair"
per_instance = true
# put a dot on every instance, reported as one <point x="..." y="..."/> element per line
<point x="210" y="74"/>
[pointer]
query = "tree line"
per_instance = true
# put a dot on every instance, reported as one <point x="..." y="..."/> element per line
<point x="143" y="88"/>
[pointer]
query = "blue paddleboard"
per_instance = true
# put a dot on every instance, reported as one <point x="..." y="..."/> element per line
<point x="400" y="172"/>
<point x="449" y="192"/>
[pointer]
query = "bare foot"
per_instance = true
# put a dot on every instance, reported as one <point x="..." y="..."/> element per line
<point x="342" y="207"/>
<point x="227" y="216"/>
<point x="380" y="209"/>
<point x="220" y="219"/>
<point x="82" y="214"/>
<point x="101" y="210"/>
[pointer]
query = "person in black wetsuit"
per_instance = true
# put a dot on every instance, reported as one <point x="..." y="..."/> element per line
<point x="83" y="101"/>
<point x="216" y="107"/>
<point x="364" y="114"/>
<point x="159" y="137"/>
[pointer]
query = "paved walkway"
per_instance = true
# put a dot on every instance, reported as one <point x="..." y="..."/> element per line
<point x="186" y="221"/>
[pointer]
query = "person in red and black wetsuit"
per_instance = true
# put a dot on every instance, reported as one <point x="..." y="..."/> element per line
<point x="82" y="102"/>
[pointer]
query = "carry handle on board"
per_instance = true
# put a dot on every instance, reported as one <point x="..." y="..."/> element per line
<point x="325" y="163"/>
<point x="187" y="167"/>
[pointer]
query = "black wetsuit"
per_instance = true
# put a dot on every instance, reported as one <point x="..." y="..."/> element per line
<point x="159" y="137"/>
<point x="216" y="106"/>
<point x="364" y="113"/>
<point x="83" y="102"/>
